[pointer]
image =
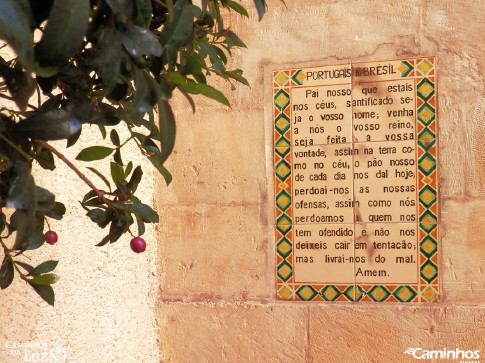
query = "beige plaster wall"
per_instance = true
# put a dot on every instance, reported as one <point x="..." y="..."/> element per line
<point x="216" y="257"/>
<point x="105" y="298"/>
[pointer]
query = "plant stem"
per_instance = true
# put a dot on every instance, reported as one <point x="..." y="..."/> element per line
<point x="10" y="258"/>
<point x="77" y="171"/>
<point x="19" y="150"/>
<point x="48" y="225"/>
<point x="11" y="99"/>
<point x="39" y="97"/>
<point x="123" y="144"/>
<point x="161" y="4"/>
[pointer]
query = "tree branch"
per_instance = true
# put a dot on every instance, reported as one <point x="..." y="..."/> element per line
<point x="77" y="171"/>
<point x="161" y="4"/>
<point x="11" y="99"/>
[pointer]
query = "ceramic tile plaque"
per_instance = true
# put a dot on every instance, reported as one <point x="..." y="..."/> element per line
<point x="355" y="176"/>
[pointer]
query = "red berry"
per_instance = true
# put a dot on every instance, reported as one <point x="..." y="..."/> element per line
<point x="138" y="244"/>
<point x="51" y="237"/>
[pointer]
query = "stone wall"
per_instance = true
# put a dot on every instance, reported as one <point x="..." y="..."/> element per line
<point x="216" y="263"/>
<point x="204" y="291"/>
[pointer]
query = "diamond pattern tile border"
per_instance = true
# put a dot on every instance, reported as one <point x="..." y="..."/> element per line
<point x="423" y="71"/>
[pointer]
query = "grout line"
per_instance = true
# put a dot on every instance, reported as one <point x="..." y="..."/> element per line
<point x="308" y="355"/>
<point x="354" y="197"/>
<point x="322" y="304"/>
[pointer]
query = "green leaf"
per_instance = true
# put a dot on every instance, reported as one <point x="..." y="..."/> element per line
<point x="120" y="90"/>
<point x="193" y="65"/>
<point x="89" y="195"/>
<point x="44" y="196"/>
<point x="44" y="267"/>
<point x="71" y="140"/>
<point x="101" y="176"/>
<point x="237" y="7"/>
<point x="22" y="193"/>
<point x="204" y="5"/>
<point x="66" y="27"/>
<point x="117" y="228"/>
<point x="117" y="173"/>
<point x="46" y="292"/>
<point x="154" y="156"/>
<point x="140" y="41"/>
<point x="135" y="179"/>
<point x="217" y="62"/>
<point x="205" y="90"/>
<point x="115" y="139"/>
<point x="35" y="240"/>
<point x="25" y="266"/>
<point x="52" y="103"/>
<point x="46" y="279"/>
<point x="165" y="90"/>
<point x="97" y="215"/>
<point x="128" y="169"/>
<point x="147" y="143"/>
<point x="144" y="13"/>
<point x="167" y="129"/>
<point x="23" y="222"/>
<point x="156" y="161"/>
<point x="15" y="20"/>
<point x="20" y="85"/>
<point x="117" y="157"/>
<point x="3" y="121"/>
<point x="45" y="200"/>
<point x="36" y="237"/>
<point x="104" y="241"/>
<point x="146" y="94"/>
<point x="57" y="212"/>
<point x="50" y="125"/>
<point x="40" y="10"/>
<point x="134" y="199"/>
<point x="102" y="129"/>
<point x="260" y="7"/>
<point x="140" y="225"/>
<point x="189" y="99"/>
<point x="81" y="106"/>
<point x="147" y="214"/>
<point x="233" y="39"/>
<point x="47" y="84"/>
<point x="107" y="116"/>
<point x="94" y="153"/>
<point x="107" y="60"/>
<point x="179" y="32"/>
<point x="129" y="115"/>
<point x="6" y="273"/>
<point x="220" y="53"/>
<point x="237" y="75"/>
<point x="123" y="9"/>
<point x="206" y="20"/>
<point x="3" y="222"/>
<point x="115" y="234"/>
<point x="95" y="202"/>
<point x="216" y="13"/>
<point x="46" y="160"/>
<point x="176" y="77"/>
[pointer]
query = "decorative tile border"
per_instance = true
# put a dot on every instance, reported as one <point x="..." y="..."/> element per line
<point x="423" y="72"/>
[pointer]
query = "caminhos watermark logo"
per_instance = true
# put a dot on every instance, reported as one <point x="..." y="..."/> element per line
<point x="37" y="351"/>
<point x="465" y="356"/>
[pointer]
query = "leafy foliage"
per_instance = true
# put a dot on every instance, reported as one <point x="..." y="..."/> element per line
<point x="109" y="63"/>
